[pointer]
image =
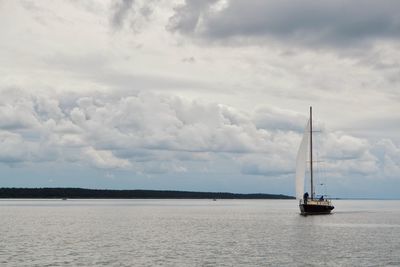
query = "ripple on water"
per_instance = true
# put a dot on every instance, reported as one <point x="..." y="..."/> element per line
<point x="196" y="233"/>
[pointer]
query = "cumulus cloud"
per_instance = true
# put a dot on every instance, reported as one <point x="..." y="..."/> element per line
<point x="389" y="155"/>
<point x="152" y="134"/>
<point x="341" y="146"/>
<point x="104" y="159"/>
<point x="17" y="114"/>
<point x="308" y="22"/>
<point x="14" y="148"/>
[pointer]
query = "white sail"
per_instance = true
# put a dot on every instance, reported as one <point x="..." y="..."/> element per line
<point x="301" y="162"/>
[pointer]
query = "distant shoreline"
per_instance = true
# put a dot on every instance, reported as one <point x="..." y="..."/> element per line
<point x="82" y="193"/>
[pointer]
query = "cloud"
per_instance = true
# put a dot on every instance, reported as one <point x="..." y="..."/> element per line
<point x="137" y="132"/>
<point x="151" y="134"/>
<point x="267" y="165"/>
<point x="17" y="114"/>
<point x="308" y="22"/>
<point x="14" y="148"/>
<point x="189" y="60"/>
<point x="187" y="16"/>
<point x="121" y="10"/>
<point x="104" y="159"/>
<point x="275" y="118"/>
<point x="338" y="145"/>
<point x="132" y="12"/>
<point x="389" y="154"/>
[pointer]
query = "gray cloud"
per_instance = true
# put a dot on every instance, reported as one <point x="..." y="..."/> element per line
<point x="133" y="13"/>
<point x="186" y="17"/>
<point x="121" y="11"/>
<point x="308" y="22"/>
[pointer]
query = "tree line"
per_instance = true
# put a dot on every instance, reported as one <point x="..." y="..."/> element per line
<point x="126" y="194"/>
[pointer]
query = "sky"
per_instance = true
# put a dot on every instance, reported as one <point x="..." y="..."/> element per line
<point x="208" y="95"/>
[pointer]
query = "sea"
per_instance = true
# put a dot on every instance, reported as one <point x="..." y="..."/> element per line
<point x="197" y="233"/>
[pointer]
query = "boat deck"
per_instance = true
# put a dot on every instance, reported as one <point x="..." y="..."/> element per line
<point x="324" y="202"/>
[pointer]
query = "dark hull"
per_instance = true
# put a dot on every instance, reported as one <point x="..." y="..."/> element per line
<point x="307" y="209"/>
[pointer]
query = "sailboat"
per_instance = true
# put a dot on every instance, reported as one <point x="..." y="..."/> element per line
<point x="308" y="203"/>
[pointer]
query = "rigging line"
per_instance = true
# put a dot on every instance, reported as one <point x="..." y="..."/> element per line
<point x="320" y="173"/>
<point x="321" y="168"/>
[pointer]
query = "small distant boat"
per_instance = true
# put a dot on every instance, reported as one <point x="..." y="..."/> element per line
<point x="64" y="198"/>
<point x="309" y="205"/>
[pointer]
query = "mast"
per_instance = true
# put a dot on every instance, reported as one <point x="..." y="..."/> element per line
<point x="311" y="156"/>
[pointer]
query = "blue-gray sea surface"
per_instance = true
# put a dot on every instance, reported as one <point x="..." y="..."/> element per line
<point x="197" y="233"/>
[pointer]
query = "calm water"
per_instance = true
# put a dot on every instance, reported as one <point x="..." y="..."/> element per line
<point x="196" y="233"/>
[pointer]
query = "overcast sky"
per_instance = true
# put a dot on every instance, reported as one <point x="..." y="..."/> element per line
<point x="199" y="95"/>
